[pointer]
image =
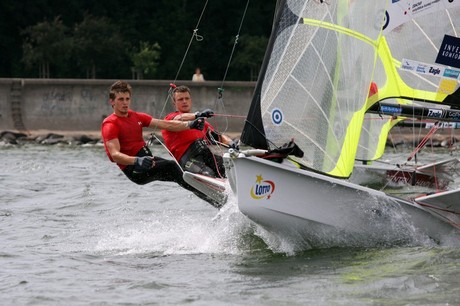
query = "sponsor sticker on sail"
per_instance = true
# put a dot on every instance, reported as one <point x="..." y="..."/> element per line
<point x="401" y="11"/>
<point x="449" y="52"/>
<point x="434" y="70"/>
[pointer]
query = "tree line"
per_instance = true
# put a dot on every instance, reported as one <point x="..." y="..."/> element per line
<point x="159" y="39"/>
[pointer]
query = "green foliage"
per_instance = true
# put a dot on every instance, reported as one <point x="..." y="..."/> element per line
<point x="251" y="55"/>
<point x="46" y="44"/>
<point x="105" y="39"/>
<point x="145" y="60"/>
<point x="97" y="42"/>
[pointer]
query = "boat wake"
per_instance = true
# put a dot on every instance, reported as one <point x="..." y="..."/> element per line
<point x="203" y="230"/>
<point x="184" y="231"/>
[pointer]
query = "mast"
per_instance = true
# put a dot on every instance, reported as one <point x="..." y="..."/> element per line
<point x="253" y="131"/>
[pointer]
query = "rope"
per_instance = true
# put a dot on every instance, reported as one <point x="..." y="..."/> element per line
<point x="424" y="140"/>
<point x="209" y="140"/>
<point x="229" y="116"/>
<point x="414" y="154"/>
<point x="194" y="36"/>
<point x="150" y="142"/>
<point x="220" y="90"/>
<point x="172" y="85"/>
<point x="451" y="140"/>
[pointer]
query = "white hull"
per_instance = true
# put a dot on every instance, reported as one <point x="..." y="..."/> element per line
<point x="320" y="211"/>
<point x="446" y="204"/>
<point x="437" y="175"/>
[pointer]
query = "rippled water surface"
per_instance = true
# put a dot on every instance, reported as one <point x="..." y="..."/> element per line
<point x="74" y="230"/>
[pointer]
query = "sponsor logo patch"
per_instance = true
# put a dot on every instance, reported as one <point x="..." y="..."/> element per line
<point x="262" y="189"/>
<point x="449" y="52"/>
<point x="390" y="109"/>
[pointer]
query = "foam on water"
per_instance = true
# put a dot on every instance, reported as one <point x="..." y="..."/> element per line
<point x="185" y="231"/>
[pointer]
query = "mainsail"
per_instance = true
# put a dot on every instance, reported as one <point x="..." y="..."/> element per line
<point x="315" y="81"/>
<point x="320" y="63"/>
<point x="319" y="67"/>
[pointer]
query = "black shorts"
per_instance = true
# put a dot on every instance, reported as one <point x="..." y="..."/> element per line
<point x="162" y="170"/>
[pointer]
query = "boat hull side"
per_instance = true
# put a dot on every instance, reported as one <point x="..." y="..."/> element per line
<point x="322" y="211"/>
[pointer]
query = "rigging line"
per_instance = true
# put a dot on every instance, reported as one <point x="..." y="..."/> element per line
<point x="451" y="140"/>
<point x="424" y="140"/>
<point x="230" y="116"/>
<point x="194" y="35"/>
<point x="438" y="208"/>
<point x="172" y="85"/>
<point x="221" y="89"/>
<point x="418" y="148"/>
<point x="390" y="180"/>
<point x="150" y="142"/>
<point x="234" y="45"/>
<point x="214" y="158"/>
<point x="436" y="183"/>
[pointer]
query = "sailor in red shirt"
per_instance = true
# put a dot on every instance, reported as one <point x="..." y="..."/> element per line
<point x="190" y="147"/>
<point x="124" y="143"/>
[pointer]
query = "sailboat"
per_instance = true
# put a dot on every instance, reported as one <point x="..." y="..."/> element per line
<point x="312" y="96"/>
<point x="379" y="120"/>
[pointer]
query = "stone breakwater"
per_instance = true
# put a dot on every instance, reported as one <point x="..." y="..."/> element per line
<point x="49" y="138"/>
<point x="45" y="137"/>
<point x="402" y="137"/>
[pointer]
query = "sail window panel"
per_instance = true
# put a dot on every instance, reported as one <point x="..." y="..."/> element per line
<point x="317" y="79"/>
<point x="368" y="140"/>
<point x="303" y="82"/>
<point x="373" y="125"/>
<point x="380" y="76"/>
<point x="308" y="128"/>
<point x="289" y="47"/>
<point x="312" y="76"/>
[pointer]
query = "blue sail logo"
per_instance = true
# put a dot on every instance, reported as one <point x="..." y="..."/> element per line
<point x="262" y="189"/>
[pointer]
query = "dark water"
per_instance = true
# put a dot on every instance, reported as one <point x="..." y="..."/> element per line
<point x="74" y="230"/>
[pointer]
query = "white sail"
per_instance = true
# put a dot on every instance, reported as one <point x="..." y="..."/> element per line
<point x="317" y="79"/>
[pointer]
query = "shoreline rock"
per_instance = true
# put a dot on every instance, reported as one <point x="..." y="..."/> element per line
<point x="45" y="137"/>
<point x="48" y="138"/>
<point x="402" y="137"/>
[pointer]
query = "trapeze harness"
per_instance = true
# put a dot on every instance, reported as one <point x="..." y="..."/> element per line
<point x="199" y="159"/>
